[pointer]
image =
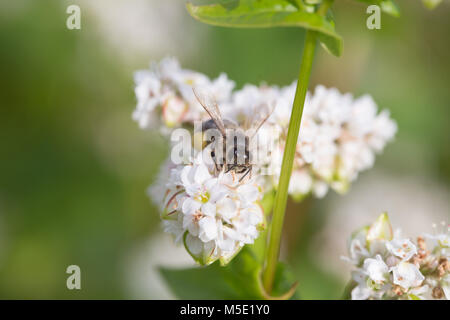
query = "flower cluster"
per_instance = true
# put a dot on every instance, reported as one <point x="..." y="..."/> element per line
<point x="213" y="215"/>
<point x="164" y="95"/>
<point x="214" y="212"/>
<point x="339" y="137"/>
<point x="388" y="266"/>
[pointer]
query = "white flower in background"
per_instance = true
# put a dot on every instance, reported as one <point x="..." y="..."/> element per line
<point x="214" y="215"/>
<point x="339" y="137"/>
<point x="357" y="247"/>
<point x="250" y="102"/>
<point x="148" y="95"/>
<point x="165" y="98"/>
<point x="389" y="267"/>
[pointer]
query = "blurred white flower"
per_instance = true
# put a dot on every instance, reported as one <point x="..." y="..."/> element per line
<point x="338" y="138"/>
<point x="349" y="125"/>
<point x="407" y="197"/>
<point x="165" y="98"/>
<point x="148" y="95"/>
<point x="396" y="268"/>
<point x="251" y="101"/>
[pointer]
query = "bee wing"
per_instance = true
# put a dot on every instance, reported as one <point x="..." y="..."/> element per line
<point x="210" y="105"/>
<point x="259" y="123"/>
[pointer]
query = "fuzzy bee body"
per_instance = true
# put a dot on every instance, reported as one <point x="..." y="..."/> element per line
<point x="235" y="142"/>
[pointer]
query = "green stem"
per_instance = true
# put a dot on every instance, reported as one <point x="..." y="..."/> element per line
<point x="276" y="227"/>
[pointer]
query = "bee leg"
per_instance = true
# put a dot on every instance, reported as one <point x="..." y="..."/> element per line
<point x="217" y="167"/>
<point x="245" y="174"/>
<point x="230" y="168"/>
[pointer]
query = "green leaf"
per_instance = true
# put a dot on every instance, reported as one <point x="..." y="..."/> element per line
<point x="238" y="280"/>
<point x="284" y="279"/>
<point x="431" y="4"/>
<point x="266" y="14"/>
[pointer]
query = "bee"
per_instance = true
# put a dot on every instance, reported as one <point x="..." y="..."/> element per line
<point x="235" y="154"/>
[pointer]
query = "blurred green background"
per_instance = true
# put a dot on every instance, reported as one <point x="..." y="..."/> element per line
<point x="75" y="167"/>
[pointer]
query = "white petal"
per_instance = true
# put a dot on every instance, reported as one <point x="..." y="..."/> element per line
<point x="402" y="248"/>
<point x="209" y="209"/>
<point x="185" y="175"/>
<point x="201" y="174"/>
<point x="360" y="292"/>
<point x="190" y="206"/>
<point x="407" y="275"/>
<point x="208" y="229"/>
<point x="195" y="246"/>
<point x="376" y="269"/>
<point x="227" y="208"/>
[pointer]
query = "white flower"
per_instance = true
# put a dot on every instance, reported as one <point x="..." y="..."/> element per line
<point x="148" y="95"/>
<point x="357" y="246"/>
<point x="199" y="205"/>
<point x="214" y="212"/>
<point x="339" y="137"/>
<point x="361" y="292"/>
<point x="384" y="129"/>
<point x="376" y="269"/>
<point x="402" y="248"/>
<point x="165" y="98"/>
<point x="174" y="110"/>
<point x="396" y="268"/>
<point x="300" y="183"/>
<point x="439" y="240"/>
<point x="407" y="275"/>
<point x="215" y="215"/>
<point x="174" y="227"/>
<point x="320" y="189"/>
<point x="251" y="101"/>
<point x="422" y="293"/>
<point x="283" y="105"/>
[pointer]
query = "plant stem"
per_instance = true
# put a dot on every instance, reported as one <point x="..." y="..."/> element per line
<point x="276" y="227"/>
<point x="288" y="160"/>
